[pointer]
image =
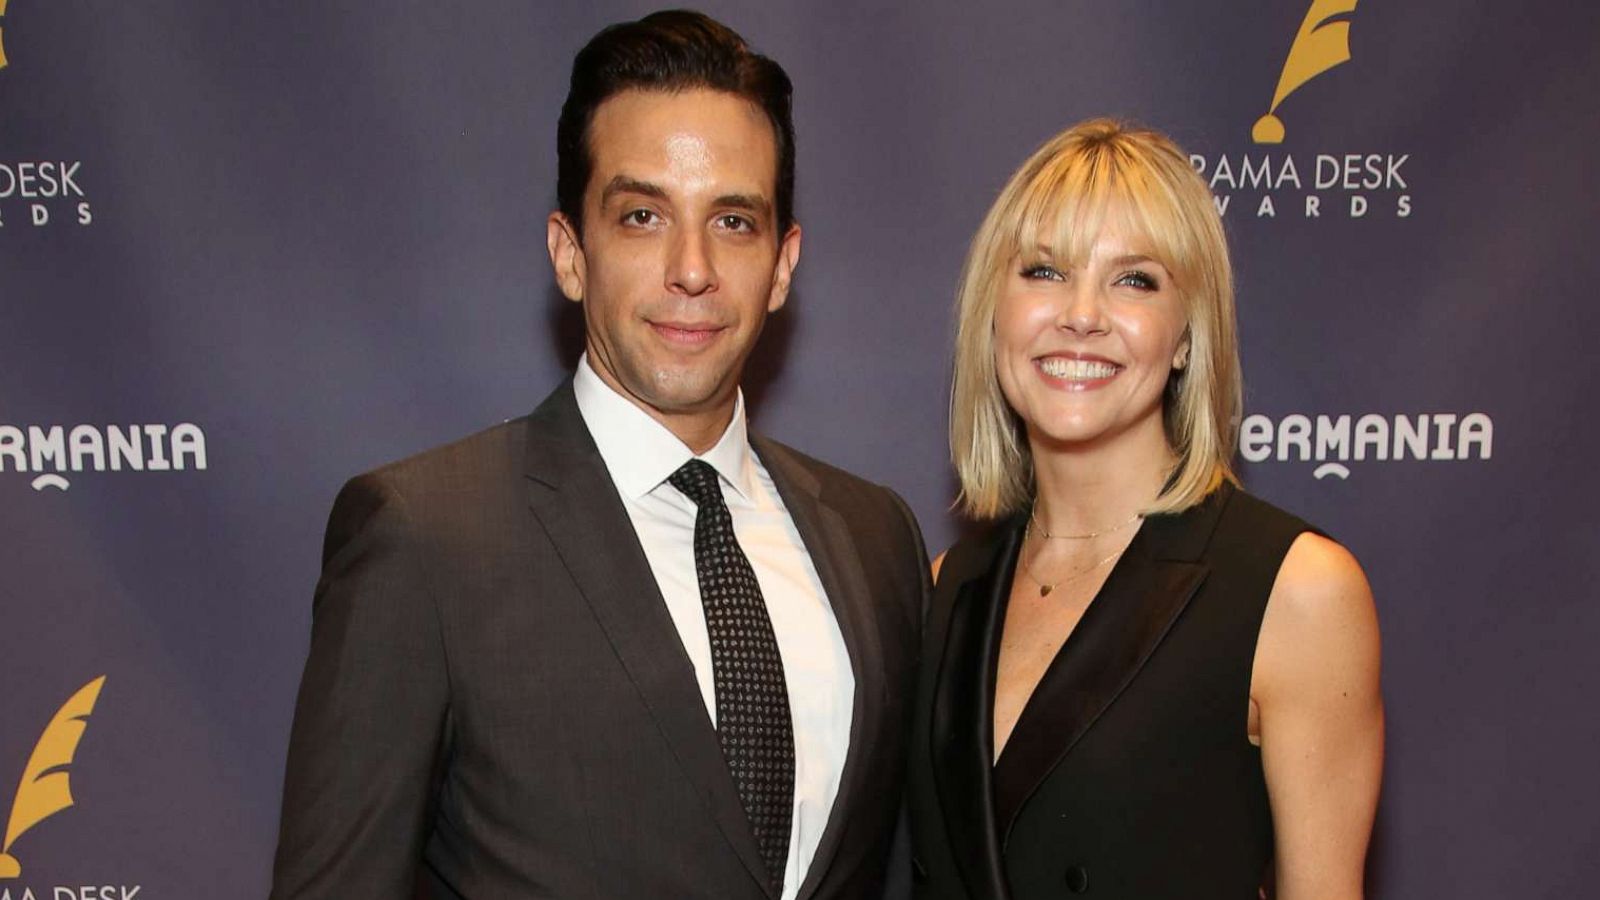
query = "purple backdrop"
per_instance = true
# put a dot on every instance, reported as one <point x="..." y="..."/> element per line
<point x="254" y="249"/>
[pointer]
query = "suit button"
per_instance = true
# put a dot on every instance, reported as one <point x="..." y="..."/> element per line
<point x="1077" y="879"/>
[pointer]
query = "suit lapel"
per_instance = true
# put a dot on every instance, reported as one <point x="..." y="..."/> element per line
<point x="962" y="725"/>
<point x="576" y="503"/>
<point x="1141" y="599"/>
<point x="833" y="552"/>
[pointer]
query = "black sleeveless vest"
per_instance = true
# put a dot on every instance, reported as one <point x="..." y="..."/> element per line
<point x="1129" y="774"/>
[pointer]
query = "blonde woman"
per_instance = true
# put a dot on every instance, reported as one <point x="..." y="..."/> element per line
<point x="1141" y="682"/>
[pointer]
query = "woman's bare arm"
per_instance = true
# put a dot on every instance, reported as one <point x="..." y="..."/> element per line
<point x="1315" y="685"/>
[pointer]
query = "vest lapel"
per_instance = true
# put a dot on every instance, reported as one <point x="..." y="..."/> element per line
<point x="962" y="725"/>
<point x="577" y="505"/>
<point x="1141" y="599"/>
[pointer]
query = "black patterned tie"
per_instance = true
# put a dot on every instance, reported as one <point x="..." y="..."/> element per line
<point x="752" y="700"/>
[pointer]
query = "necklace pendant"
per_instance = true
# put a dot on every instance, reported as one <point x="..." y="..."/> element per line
<point x="1045" y="589"/>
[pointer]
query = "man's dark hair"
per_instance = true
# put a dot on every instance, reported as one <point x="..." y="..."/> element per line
<point x="672" y="50"/>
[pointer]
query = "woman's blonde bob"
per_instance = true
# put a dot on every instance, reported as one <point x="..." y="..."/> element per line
<point x="1058" y="199"/>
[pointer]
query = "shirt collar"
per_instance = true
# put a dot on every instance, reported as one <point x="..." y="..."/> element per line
<point x="641" y="453"/>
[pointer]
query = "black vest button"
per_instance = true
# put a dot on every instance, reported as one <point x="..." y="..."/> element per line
<point x="1077" y="879"/>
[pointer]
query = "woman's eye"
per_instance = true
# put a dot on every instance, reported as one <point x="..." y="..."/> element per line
<point x="1141" y="280"/>
<point x="1043" y="272"/>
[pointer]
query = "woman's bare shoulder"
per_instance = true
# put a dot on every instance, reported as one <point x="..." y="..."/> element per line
<point x="1321" y="622"/>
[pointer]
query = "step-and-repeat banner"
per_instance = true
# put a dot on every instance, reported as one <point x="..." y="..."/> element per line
<point x="248" y="250"/>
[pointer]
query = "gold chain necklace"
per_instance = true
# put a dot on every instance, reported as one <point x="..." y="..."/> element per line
<point x="1046" y="587"/>
<point x="1033" y="521"/>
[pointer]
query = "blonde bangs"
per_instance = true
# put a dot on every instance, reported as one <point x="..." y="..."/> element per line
<point x="1063" y="210"/>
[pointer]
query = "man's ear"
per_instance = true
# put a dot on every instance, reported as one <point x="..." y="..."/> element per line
<point x="566" y="256"/>
<point x="783" y="273"/>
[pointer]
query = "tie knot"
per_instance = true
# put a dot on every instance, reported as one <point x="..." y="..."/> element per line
<point x="698" y="481"/>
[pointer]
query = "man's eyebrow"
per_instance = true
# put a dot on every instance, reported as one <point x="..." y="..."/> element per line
<point x="622" y="184"/>
<point x="752" y="202"/>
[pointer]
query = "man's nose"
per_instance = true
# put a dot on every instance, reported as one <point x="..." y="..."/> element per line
<point x="690" y="269"/>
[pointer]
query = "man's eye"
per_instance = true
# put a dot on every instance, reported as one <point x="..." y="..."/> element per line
<point x="639" y="217"/>
<point x="732" y="222"/>
<point x="1043" y="272"/>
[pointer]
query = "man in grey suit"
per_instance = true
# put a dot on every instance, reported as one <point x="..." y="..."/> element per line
<point x="621" y="647"/>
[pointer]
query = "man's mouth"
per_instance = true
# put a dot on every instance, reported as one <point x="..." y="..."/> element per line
<point x="689" y="333"/>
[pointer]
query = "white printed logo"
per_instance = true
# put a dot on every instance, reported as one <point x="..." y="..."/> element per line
<point x="51" y="452"/>
<point x="1334" y="441"/>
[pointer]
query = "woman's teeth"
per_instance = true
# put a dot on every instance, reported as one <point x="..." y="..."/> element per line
<point x="1076" y="369"/>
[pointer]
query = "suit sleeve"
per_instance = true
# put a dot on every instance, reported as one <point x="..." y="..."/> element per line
<point x="370" y="718"/>
<point x="924" y="568"/>
<point x="898" y="875"/>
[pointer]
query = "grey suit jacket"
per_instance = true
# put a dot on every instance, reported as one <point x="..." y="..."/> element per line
<point x="496" y="703"/>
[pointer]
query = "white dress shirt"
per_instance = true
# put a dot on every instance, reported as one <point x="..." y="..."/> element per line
<point x="640" y="454"/>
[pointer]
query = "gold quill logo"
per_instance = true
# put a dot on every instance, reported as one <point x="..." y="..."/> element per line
<point x="1322" y="42"/>
<point x="2" y="37"/>
<point x="46" y="788"/>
